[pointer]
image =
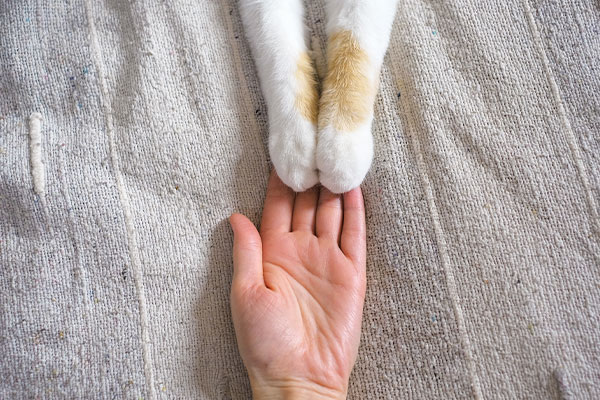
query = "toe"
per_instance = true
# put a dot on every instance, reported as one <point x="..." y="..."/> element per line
<point x="344" y="158"/>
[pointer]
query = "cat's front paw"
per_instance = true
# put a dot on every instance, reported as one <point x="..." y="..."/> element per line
<point x="292" y="145"/>
<point x="344" y="158"/>
<point x="345" y="143"/>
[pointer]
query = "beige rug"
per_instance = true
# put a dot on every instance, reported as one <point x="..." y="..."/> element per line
<point x="483" y="199"/>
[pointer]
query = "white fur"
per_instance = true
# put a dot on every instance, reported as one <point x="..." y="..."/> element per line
<point x="344" y="158"/>
<point x="276" y="32"/>
<point x="277" y="36"/>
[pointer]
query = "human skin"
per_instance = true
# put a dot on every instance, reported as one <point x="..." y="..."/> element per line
<point x="298" y="291"/>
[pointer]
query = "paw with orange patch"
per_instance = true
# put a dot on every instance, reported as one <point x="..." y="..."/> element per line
<point x="344" y="141"/>
<point x="293" y="130"/>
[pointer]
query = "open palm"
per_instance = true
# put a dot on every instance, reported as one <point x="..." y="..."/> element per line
<point x="298" y="289"/>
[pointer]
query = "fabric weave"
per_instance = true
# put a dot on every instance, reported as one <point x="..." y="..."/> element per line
<point x="482" y="201"/>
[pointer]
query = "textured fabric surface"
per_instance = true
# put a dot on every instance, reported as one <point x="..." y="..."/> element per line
<point x="482" y="202"/>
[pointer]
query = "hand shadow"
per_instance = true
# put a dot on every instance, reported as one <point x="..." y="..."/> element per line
<point x="219" y="368"/>
<point x="220" y="373"/>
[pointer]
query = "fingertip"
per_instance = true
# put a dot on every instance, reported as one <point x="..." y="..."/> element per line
<point x="329" y="214"/>
<point x="236" y="216"/>
<point x="305" y="209"/>
<point x="247" y="254"/>
<point x="326" y="195"/>
<point x="240" y="224"/>
<point x="275" y="182"/>
<point x="234" y="220"/>
<point x="278" y="207"/>
<point x="353" y="242"/>
<point x="354" y="198"/>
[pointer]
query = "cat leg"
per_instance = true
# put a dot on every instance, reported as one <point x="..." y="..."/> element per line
<point x="358" y="35"/>
<point x="278" y="41"/>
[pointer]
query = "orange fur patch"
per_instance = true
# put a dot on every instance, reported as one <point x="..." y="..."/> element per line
<point x="348" y="92"/>
<point x="307" y="98"/>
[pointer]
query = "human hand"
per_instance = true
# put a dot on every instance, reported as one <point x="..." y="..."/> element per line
<point x="298" y="291"/>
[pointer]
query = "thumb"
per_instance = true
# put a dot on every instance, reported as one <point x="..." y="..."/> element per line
<point x="247" y="252"/>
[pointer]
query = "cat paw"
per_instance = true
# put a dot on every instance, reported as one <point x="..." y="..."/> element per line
<point x="345" y="143"/>
<point x="292" y="147"/>
<point x="344" y="158"/>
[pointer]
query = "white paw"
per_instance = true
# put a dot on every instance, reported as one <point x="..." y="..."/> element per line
<point x="344" y="158"/>
<point x="292" y="144"/>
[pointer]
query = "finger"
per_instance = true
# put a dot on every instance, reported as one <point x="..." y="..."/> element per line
<point x="305" y="209"/>
<point x="279" y="203"/>
<point x="353" y="241"/>
<point x="247" y="253"/>
<point x="329" y="215"/>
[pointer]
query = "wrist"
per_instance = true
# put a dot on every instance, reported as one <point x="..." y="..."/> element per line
<point x="294" y="389"/>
